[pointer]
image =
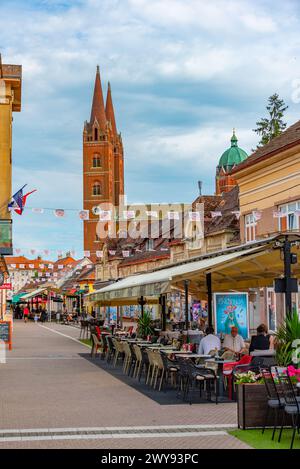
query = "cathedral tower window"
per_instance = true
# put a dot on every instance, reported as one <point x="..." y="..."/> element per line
<point x="96" y="161"/>
<point x="96" y="188"/>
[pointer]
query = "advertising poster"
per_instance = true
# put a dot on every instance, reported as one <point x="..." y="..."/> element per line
<point x="231" y="309"/>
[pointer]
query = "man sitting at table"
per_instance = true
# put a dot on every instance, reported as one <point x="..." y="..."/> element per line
<point x="234" y="342"/>
<point x="209" y="342"/>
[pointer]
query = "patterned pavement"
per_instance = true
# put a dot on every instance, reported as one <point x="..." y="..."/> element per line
<point x="47" y="384"/>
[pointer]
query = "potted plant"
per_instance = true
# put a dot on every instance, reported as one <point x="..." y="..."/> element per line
<point x="145" y="327"/>
<point x="251" y="401"/>
<point x="287" y="333"/>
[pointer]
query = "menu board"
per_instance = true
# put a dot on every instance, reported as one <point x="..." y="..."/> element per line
<point x="5" y="332"/>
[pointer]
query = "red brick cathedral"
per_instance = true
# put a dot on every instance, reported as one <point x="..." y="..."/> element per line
<point x="103" y="167"/>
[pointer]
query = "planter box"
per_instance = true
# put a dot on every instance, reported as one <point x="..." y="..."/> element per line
<point x="252" y="405"/>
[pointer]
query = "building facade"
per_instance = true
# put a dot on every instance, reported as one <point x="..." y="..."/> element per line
<point x="269" y="186"/>
<point x="103" y="167"/>
<point x="10" y="101"/>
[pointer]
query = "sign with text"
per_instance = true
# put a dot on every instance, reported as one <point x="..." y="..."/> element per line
<point x="231" y="310"/>
<point x="5" y="333"/>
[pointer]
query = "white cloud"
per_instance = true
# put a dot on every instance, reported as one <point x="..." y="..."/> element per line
<point x="162" y="57"/>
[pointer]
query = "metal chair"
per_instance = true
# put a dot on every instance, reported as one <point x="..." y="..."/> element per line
<point x="275" y="401"/>
<point x="291" y="403"/>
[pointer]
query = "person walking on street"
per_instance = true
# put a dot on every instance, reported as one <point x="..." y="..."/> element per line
<point x="26" y="313"/>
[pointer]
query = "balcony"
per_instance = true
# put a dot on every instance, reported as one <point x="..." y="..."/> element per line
<point x="6" y="248"/>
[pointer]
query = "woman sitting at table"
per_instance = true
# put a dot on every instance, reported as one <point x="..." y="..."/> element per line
<point x="261" y="341"/>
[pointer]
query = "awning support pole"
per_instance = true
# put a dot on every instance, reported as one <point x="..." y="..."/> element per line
<point x="287" y="275"/>
<point x="162" y="302"/>
<point x="142" y="302"/>
<point x="186" y="294"/>
<point x="209" y="298"/>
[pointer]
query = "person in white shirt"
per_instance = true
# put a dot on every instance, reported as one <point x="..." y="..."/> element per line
<point x="234" y="342"/>
<point x="209" y="342"/>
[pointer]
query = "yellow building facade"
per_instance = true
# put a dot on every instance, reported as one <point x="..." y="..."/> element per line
<point x="10" y="101"/>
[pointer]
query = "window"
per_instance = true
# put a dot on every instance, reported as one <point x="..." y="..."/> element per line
<point x="290" y="214"/>
<point x="250" y="228"/>
<point x="96" y="161"/>
<point x="96" y="188"/>
<point x="96" y="134"/>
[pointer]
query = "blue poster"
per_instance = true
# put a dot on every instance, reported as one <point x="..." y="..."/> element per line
<point x="231" y="309"/>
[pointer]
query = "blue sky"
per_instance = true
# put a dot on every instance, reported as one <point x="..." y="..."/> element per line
<point x="183" y="74"/>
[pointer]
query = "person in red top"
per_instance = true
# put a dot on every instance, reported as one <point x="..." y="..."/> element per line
<point x="26" y="313"/>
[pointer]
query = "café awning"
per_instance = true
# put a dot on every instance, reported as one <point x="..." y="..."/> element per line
<point x="152" y="284"/>
<point x="33" y="293"/>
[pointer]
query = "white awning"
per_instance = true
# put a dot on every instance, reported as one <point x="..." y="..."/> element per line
<point x="153" y="284"/>
<point x="34" y="293"/>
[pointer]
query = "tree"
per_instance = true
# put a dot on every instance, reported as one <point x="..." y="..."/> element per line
<point x="271" y="126"/>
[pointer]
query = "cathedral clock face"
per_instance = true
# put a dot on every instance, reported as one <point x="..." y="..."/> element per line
<point x="1" y="278"/>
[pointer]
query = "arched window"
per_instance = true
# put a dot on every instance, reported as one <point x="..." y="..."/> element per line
<point x="96" y="134"/>
<point x="96" y="161"/>
<point x="96" y="188"/>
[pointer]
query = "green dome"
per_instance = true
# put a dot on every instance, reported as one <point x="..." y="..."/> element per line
<point x="233" y="155"/>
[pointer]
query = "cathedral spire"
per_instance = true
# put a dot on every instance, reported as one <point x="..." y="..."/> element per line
<point x="109" y="111"/>
<point x="98" y="111"/>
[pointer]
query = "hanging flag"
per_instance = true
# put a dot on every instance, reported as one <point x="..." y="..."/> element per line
<point x="84" y="214"/>
<point x="152" y="213"/>
<point x="215" y="214"/>
<point x="46" y="252"/>
<point x="237" y="214"/>
<point x="112" y="252"/>
<point x="128" y="214"/>
<point x="99" y="253"/>
<point x="37" y="210"/>
<point x="257" y="215"/>
<point x="32" y="251"/>
<point x="194" y="216"/>
<point x="86" y="253"/>
<point x="173" y="216"/>
<point x="18" y="251"/>
<point x="59" y="253"/>
<point x="73" y="253"/>
<point x="105" y="215"/>
<point x="19" y="201"/>
<point x="59" y="212"/>
<point x="16" y="202"/>
<point x="125" y="253"/>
